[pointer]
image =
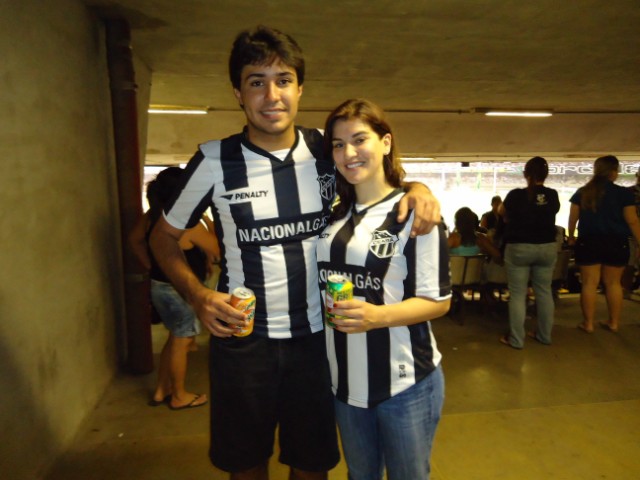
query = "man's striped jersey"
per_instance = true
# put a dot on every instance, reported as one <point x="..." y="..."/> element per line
<point x="268" y="213"/>
<point x="385" y="266"/>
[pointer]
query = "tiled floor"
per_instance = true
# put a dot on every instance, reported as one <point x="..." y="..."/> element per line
<point x="567" y="411"/>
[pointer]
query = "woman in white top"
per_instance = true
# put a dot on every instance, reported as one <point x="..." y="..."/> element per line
<point x="385" y="365"/>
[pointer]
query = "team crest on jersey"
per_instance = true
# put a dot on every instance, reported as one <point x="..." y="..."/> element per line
<point x="383" y="244"/>
<point x="327" y="186"/>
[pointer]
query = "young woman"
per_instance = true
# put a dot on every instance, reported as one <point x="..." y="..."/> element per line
<point x="531" y="252"/>
<point x="198" y="244"/>
<point x="466" y="240"/>
<point x="606" y="216"/>
<point x="385" y="365"/>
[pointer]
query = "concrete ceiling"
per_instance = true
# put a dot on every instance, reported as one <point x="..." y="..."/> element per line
<point x="410" y="56"/>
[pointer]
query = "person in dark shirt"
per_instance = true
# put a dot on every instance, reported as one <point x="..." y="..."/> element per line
<point x="631" y="276"/>
<point x="635" y="189"/>
<point x="197" y="245"/>
<point x="492" y="223"/>
<point x="531" y="252"/>
<point x="605" y="215"/>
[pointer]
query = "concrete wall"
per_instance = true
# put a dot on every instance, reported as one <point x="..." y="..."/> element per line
<point x="60" y="286"/>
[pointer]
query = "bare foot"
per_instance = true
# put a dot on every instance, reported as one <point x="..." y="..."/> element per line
<point x="158" y="400"/>
<point x="609" y="326"/>
<point x="585" y="328"/>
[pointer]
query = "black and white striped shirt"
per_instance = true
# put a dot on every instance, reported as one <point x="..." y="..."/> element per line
<point x="386" y="266"/>
<point x="268" y="213"/>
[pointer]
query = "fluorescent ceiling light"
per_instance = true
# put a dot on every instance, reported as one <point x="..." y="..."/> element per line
<point x="177" y="110"/>
<point x="415" y="159"/>
<point x="518" y="114"/>
<point x="495" y="112"/>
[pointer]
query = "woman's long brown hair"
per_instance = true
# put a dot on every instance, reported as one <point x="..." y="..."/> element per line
<point x="593" y="191"/>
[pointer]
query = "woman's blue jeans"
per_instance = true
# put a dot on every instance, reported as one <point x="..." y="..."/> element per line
<point x="526" y="261"/>
<point x="397" y="433"/>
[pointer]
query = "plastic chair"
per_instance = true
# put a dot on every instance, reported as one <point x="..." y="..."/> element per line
<point x="466" y="274"/>
<point x="561" y="271"/>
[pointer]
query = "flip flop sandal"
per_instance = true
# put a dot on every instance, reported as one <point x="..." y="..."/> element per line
<point x="191" y="404"/>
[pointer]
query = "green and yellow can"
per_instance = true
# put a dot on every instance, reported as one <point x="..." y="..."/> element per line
<point x="338" y="288"/>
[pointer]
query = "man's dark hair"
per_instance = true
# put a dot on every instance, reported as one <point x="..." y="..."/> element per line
<point x="262" y="46"/>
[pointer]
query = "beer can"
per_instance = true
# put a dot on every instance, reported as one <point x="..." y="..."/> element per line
<point x="243" y="299"/>
<point x="338" y="288"/>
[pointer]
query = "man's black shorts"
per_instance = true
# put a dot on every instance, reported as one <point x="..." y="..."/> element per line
<point x="258" y="384"/>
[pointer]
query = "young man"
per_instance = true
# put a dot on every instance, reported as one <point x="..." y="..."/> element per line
<point x="490" y="219"/>
<point x="271" y="190"/>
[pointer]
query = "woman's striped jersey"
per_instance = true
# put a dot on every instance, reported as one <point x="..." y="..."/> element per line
<point x="385" y="266"/>
<point x="268" y="213"/>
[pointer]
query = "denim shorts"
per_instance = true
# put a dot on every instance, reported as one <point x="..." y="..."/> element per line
<point x="176" y="314"/>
